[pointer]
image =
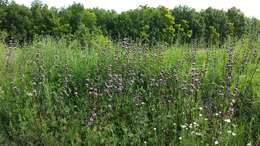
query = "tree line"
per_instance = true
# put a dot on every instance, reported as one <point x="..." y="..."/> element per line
<point x="149" y="24"/>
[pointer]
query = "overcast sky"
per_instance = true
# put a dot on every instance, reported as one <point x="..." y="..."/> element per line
<point x="249" y="7"/>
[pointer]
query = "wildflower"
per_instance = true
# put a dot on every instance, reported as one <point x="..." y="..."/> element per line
<point x="234" y="134"/>
<point x="231" y="109"/>
<point x="200" y="108"/>
<point x="195" y="124"/>
<point x="216" y="142"/>
<point x="227" y="120"/>
<point x="229" y="131"/>
<point x="248" y="144"/>
<point x="180" y="138"/>
<point x="90" y="121"/>
<point x="29" y="94"/>
<point x="183" y="126"/>
<point x="154" y="129"/>
<point x="200" y="115"/>
<point x="198" y="134"/>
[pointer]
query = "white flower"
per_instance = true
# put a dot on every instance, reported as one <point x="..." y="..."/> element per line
<point x="29" y="94"/>
<point x="198" y="134"/>
<point x="200" y="115"/>
<point x="183" y="126"/>
<point x="227" y="120"/>
<point x="216" y="142"/>
<point x="195" y="124"/>
<point x="154" y="129"/>
<point x="229" y="131"/>
<point x="200" y="108"/>
<point x="248" y="144"/>
<point x="180" y="138"/>
<point x="234" y="134"/>
<point x="145" y="142"/>
<point x="216" y="114"/>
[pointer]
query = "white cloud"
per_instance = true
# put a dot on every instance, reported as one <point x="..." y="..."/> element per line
<point x="249" y="7"/>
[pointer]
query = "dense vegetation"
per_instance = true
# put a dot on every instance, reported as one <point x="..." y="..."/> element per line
<point x="148" y="76"/>
<point x="182" y="24"/>
<point x="54" y="93"/>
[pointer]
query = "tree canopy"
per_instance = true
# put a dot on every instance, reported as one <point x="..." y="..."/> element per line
<point x="145" y="23"/>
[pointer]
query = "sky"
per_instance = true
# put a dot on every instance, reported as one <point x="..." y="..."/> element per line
<point x="250" y="8"/>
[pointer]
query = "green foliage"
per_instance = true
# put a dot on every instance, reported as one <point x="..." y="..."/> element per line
<point x="3" y="35"/>
<point x="154" y="24"/>
<point x="75" y="16"/>
<point x="218" y="27"/>
<point x="15" y="20"/>
<point x="56" y="93"/>
<point x="237" y="18"/>
<point x="181" y="24"/>
<point x="45" y="21"/>
<point x="73" y="86"/>
<point x="189" y="23"/>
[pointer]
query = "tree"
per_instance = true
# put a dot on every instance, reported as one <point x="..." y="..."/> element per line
<point x="146" y="23"/>
<point x="106" y="20"/>
<point x="216" y="24"/>
<point x="75" y="15"/>
<point x="15" y="20"/>
<point x="189" y="23"/>
<point x="237" y="18"/>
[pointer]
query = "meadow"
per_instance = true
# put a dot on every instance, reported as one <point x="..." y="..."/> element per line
<point x="53" y="93"/>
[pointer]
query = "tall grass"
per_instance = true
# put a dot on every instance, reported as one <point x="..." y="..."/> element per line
<point x="53" y="93"/>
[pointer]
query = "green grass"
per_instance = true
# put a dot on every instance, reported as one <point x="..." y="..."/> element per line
<point x="57" y="94"/>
